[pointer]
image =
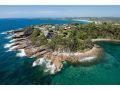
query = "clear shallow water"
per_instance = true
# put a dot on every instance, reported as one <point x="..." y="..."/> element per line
<point x="105" y="73"/>
<point x="18" y="70"/>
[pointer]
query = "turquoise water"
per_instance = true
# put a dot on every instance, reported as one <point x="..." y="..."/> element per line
<point x="105" y="73"/>
<point x="18" y="70"/>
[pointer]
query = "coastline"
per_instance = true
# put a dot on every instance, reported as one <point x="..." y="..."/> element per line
<point x="105" y="40"/>
<point x="52" y="60"/>
<point x="81" y="58"/>
<point x="84" y="20"/>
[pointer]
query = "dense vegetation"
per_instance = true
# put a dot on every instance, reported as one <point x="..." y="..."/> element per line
<point x="77" y="38"/>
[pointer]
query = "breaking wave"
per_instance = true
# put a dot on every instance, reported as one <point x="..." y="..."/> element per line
<point x="8" y="45"/>
<point x="21" y="53"/>
<point x="48" y="66"/>
<point x="3" y="33"/>
<point x="9" y="37"/>
<point x="12" y="40"/>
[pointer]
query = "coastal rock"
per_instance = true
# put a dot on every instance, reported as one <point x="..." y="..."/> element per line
<point x="85" y="58"/>
<point x="52" y="60"/>
<point x="18" y="35"/>
<point x="14" y="31"/>
<point x="39" y="54"/>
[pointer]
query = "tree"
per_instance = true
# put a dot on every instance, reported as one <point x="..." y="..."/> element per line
<point x="33" y="36"/>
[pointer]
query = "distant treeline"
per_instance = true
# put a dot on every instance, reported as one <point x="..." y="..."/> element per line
<point x="101" y="19"/>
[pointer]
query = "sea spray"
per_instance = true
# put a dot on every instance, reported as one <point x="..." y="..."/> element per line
<point x="48" y="66"/>
<point x="8" y="45"/>
<point x="9" y="37"/>
<point x="39" y="61"/>
<point x="11" y="48"/>
<point x="10" y="31"/>
<point x="3" y="33"/>
<point x="21" y="53"/>
<point x="12" y="40"/>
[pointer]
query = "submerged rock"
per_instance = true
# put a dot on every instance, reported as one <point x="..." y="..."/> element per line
<point x="107" y="66"/>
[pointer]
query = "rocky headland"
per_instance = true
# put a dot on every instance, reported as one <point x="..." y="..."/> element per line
<point x="51" y="59"/>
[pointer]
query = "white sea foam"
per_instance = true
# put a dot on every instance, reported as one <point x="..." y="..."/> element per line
<point x="49" y="68"/>
<point x="9" y="37"/>
<point x="9" y="31"/>
<point x="21" y="53"/>
<point x="3" y="33"/>
<point x="34" y="64"/>
<point x="11" y="48"/>
<point x="8" y="45"/>
<point x="12" y="40"/>
<point x="40" y="61"/>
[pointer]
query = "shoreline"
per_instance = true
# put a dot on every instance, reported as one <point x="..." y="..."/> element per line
<point x="52" y="59"/>
<point x="105" y="40"/>
<point x="81" y="58"/>
<point x="88" y="21"/>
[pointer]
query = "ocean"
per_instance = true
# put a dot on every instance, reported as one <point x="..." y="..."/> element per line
<point x="16" y="69"/>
